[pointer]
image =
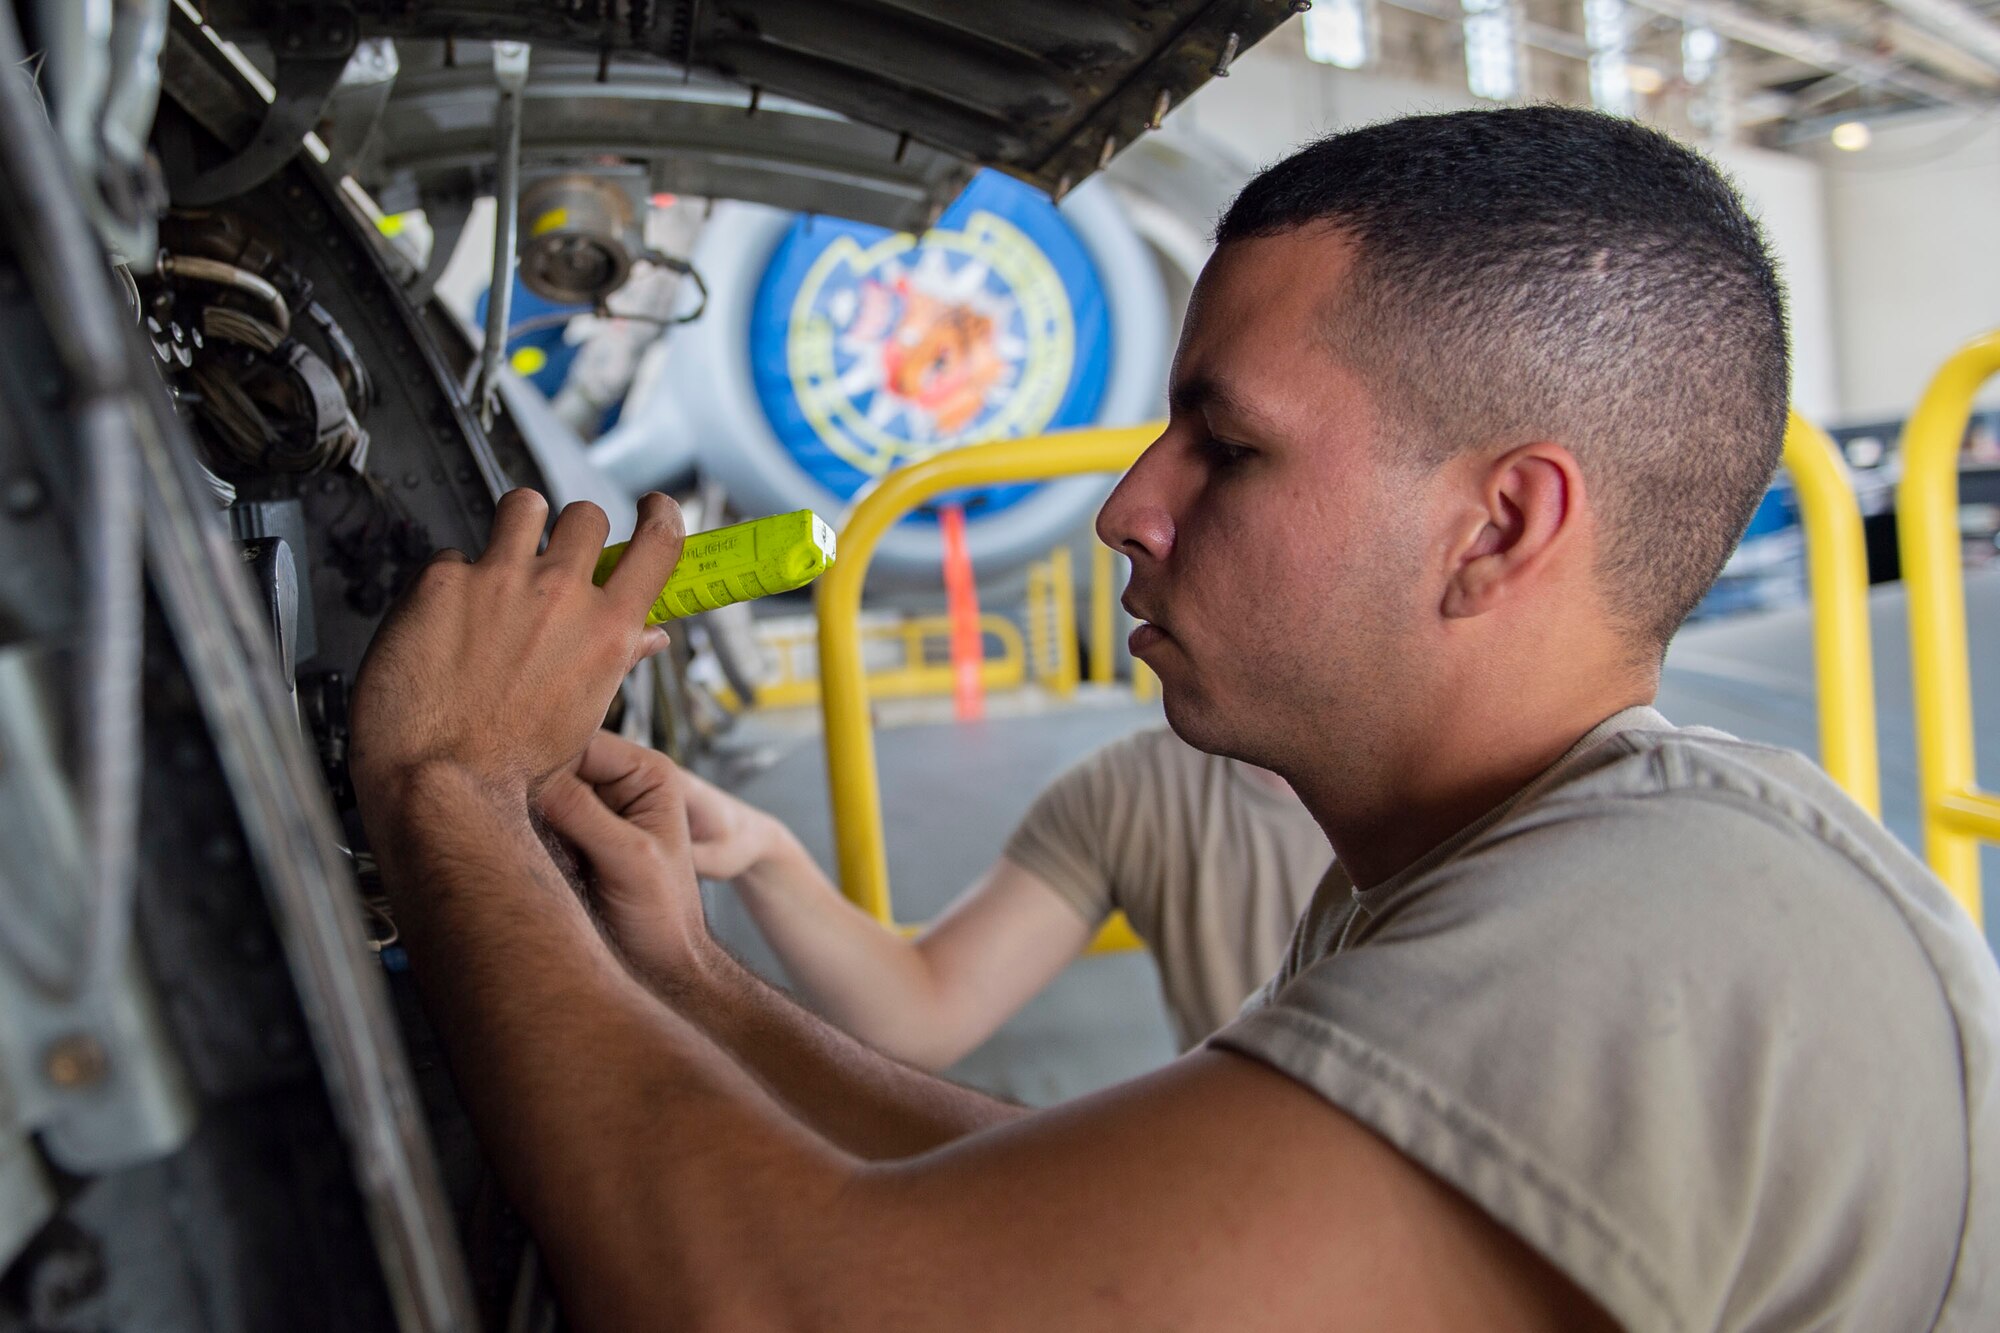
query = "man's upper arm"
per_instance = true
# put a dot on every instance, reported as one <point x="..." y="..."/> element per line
<point x="997" y="946"/>
<point x="1213" y="1194"/>
<point x="1607" y="1025"/>
<point x="1078" y="835"/>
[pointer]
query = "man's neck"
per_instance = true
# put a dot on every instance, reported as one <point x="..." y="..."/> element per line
<point x="1265" y="778"/>
<point x="1444" y="775"/>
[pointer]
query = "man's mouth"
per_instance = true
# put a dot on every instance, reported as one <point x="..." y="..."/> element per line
<point x="1149" y="631"/>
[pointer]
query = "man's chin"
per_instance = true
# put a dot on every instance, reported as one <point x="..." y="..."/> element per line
<point x="1191" y="719"/>
<point x="1197" y="721"/>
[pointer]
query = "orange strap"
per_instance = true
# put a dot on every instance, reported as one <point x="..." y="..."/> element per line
<point x="968" y="651"/>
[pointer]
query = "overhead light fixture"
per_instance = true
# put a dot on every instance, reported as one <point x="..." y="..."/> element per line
<point x="1606" y="32"/>
<point x="1701" y="48"/>
<point x="1338" y="33"/>
<point x="1492" y="49"/>
<point x="1644" y="79"/>
<point x="1851" y="136"/>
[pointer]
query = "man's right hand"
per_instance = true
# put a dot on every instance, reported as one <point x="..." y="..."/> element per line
<point x="500" y="668"/>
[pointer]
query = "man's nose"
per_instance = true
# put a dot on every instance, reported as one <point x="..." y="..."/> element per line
<point x="1135" y="519"/>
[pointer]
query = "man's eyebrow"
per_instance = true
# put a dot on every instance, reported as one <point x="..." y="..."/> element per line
<point x="1202" y="394"/>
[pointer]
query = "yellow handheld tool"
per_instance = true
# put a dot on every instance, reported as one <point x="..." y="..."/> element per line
<point x="737" y="563"/>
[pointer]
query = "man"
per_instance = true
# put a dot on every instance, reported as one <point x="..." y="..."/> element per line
<point x="1211" y="860"/>
<point x="1598" y="1023"/>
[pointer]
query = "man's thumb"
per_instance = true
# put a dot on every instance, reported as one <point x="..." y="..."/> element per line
<point x="573" y="810"/>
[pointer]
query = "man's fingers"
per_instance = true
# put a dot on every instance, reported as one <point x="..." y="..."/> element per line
<point x="649" y="560"/>
<point x="652" y="639"/>
<point x="449" y="555"/>
<point x="640" y="784"/>
<point x="517" y="525"/>
<point x="578" y="537"/>
<point x="611" y="758"/>
<point x="574" y="811"/>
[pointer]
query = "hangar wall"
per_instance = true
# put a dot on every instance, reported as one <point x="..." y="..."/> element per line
<point x="1275" y="99"/>
<point x="1910" y="223"/>
<point x="1885" y="252"/>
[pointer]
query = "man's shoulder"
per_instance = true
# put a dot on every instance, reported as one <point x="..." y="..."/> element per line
<point x="1633" y="989"/>
<point x="1699" y="779"/>
<point x="1105" y="794"/>
<point x="1673" y="819"/>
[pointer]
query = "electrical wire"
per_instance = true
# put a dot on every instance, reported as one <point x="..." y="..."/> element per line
<point x="232" y="325"/>
<point x="688" y="271"/>
<point x="560" y="318"/>
<point x="510" y="70"/>
<point x="378" y="911"/>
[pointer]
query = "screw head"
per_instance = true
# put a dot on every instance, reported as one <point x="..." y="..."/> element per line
<point x="75" y="1061"/>
<point x="23" y="495"/>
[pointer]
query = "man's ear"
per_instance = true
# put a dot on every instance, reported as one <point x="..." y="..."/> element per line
<point x="1524" y="509"/>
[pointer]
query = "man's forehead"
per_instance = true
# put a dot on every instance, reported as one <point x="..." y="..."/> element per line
<point x="1308" y="262"/>
<point x="1270" y="293"/>
<point x="1207" y="393"/>
<point x="1258" y="319"/>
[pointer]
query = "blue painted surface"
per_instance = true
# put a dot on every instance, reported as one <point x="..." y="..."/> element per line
<point x="526" y="305"/>
<point x="870" y="349"/>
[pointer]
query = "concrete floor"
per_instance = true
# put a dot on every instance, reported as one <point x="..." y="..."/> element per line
<point x="952" y="793"/>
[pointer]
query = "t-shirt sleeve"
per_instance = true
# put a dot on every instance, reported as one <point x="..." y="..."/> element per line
<point x="1682" y="1052"/>
<point x="1070" y="835"/>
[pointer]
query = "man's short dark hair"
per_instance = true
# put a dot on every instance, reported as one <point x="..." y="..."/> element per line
<point x="1551" y="273"/>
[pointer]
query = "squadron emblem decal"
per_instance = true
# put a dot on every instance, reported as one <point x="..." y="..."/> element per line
<point x="893" y="347"/>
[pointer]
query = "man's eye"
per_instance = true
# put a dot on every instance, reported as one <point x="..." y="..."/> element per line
<point x="1222" y="453"/>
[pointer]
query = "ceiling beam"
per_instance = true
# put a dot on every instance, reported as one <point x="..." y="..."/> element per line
<point x="1957" y="23"/>
<point x="1817" y="49"/>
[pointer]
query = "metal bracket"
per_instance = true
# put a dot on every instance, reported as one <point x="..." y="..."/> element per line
<point x="87" y="1066"/>
<point x="314" y="45"/>
<point x="510" y="74"/>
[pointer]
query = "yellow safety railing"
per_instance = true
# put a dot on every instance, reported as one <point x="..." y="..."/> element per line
<point x="921" y="672"/>
<point x="1105" y="621"/>
<point x="1051" y="616"/>
<point x="1835" y="556"/>
<point x="1837" y="574"/>
<point x="852" y="779"/>
<point x="1956" y="812"/>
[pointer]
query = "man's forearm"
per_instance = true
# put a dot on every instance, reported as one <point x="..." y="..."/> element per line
<point x="860" y="1099"/>
<point x="490" y="892"/>
<point x="624" y="1135"/>
<point x="871" y="982"/>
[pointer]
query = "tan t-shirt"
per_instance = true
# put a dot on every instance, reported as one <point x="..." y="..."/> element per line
<point x="1688" y="1022"/>
<point x="1211" y="866"/>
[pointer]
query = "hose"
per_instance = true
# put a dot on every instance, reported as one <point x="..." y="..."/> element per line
<point x="194" y="268"/>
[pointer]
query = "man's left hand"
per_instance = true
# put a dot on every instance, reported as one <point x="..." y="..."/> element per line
<point x="622" y="809"/>
<point x="502" y="668"/>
